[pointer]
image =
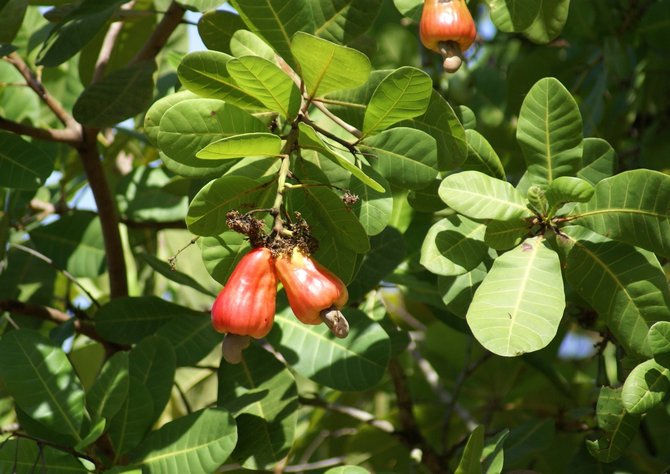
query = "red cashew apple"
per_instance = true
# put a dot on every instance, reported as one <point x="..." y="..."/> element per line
<point x="447" y="28"/>
<point x="246" y="305"/>
<point x="311" y="288"/>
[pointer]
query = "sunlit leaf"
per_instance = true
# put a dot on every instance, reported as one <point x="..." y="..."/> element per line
<point x="645" y="387"/>
<point x="240" y="146"/>
<point x="342" y="21"/>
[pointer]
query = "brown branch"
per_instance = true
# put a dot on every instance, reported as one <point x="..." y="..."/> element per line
<point x="108" y="44"/>
<point x="66" y="135"/>
<point x="161" y="34"/>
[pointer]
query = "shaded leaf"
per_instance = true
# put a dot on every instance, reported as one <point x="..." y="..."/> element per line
<point x="645" y="387"/>
<point x="619" y="426"/>
<point x="599" y="160"/>
<point x="22" y="164"/>
<point x="217" y="27"/>
<point x="110" y="389"/>
<point x="470" y="461"/>
<point x="482" y="157"/>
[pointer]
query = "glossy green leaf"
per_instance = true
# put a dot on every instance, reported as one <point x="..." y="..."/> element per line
<point x="373" y="208"/>
<point x="262" y="395"/>
<point x="118" y="96"/>
<point x="549" y="21"/>
<point x="77" y="29"/>
<point x="342" y="21"/>
<point x="504" y="235"/>
<point x="141" y="196"/>
<point x="441" y="122"/>
<point x="645" y="387"/>
<point x="246" y="43"/>
<point x="357" y="362"/>
<point x="205" y="74"/>
<point x="74" y="242"/>
<point x="550" y="132"/>
<point x="174" y="275"/>
<point x="243" y="145"/>
<point x="403" y="94"/>
<point x="153" y="117"/>
<point x="599" y="160"/>
<point x="190" y="126"/>
<point x="207" y="212"/>
<point x="221" y="253"/>
<point x="619" y="427"/>
<point x="513" y="16"/>
<point x="216" y="28"/>
<point x="480" y="196"/>
<point x="493" y="453"/>
<point x="659" y="338"/>
<point x="192" y="338"/>
<point x="276" y="21"/>
<point x="568" y="189"/>
<point x="264" y="81"/>
<point x="42" y="382"/>
<point x="198" y="442"/>
<point x="310" y="140"/>
<point x="405" y="156"/>
<point x="624" y="284"/>
<point x="321" y="206"/>
<point x="520" y="303"/>
<point x="482" y="157"/>
<point x="472" y="453"/>
<point x="25" y="456"/>
<point x="457" y="291"/>
<point x="129" y="319"/>
<point x="454" y="246"/>
<point x="631" y="207"/>
<point x="326" y="67"/>
<point x="110" y="390"/>
<point x="22" y="164"/>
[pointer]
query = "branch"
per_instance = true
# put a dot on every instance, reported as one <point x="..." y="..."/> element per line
<point x="67" y="135"/>
<point x="161" y="34"/>
<point x="108" y="44"/>
<point x="352" y="412"/>
<point x="349" y="128"/>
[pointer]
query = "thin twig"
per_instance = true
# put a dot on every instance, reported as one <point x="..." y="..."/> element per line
<point x="161" y="34"/>
<point x="353" y="412"/>
<point x="349" y="128"/>
<point x="108" y="44"/>
<point x="326" y="133"/>
<point x="65" y="135"/>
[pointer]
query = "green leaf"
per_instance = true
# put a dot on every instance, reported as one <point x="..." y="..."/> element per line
<point x="202" y="5"/>
<point x="326" y="67"/>
<point x="409" y="8"/>
<point x="133" y="420"/>
<point x="549" y="22"/>
<point x="76" y="30"/>
<point x="659" y="338"/>
<point x="264" y="81"/>
<point x="141" y="196"/>
<point x="347" y="470"/>
<point x="454" y="246"/>
<point x="216" y="29"/>
<point x="405" y="156"/>
<point x="246" y="43"/>
<point x="22" y="164"/>
<point x="261" y="393"/>
<point x="7" y="49"/>
<point x="504" y="235"/>
<point x="373" y="208"/>
<point x="222" y="253"/>
<point x="440" y="121"/>
<point x="599" y="160"/>
<point x="631" y="207"/>
<point x="205" y="73"/>
<point x="513" y="16"/>
<point x="568" y="189"/>
<point x="42" y="382"/>
<point x="482" y="157"/>
<point x="470" y="461"/>
<point x="192" y="338"/>
<point x="457" y="291"/>
<point x="645" y="387"/>
<point x="199" y="442"/>
<point x="110" y="390"/>
<point x="403" y="94"/>
<point x="520" y="303"/>
<point x="321" y="206"/>
<point x="24" y="456"/>
<point x="357" y="362"/>
<point x="174" y="275"/>
<point x="310" y="140"/>
<point x="276" y="21"/>
<point x="256" y="144"/>
<point x="153" y="117"/>
<point x="479" y="196"/>
<point x="619" y="426"/>
<point x="493" y="453"/>
<point x="350" y="104"/>
<point x="207" y="212"/>
<point x="190" y="126"/>
<point x="624" y="284"/>
<point x="12" y="14"/>
<point x="342" y="21"/>
<point x="122" y="94"/>
<point x="74" y="242"/>
<point x="128" y="320"/>
<point x="550" y="132"/>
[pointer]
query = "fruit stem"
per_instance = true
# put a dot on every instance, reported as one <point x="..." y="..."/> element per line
<point x="335" y="321"/>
